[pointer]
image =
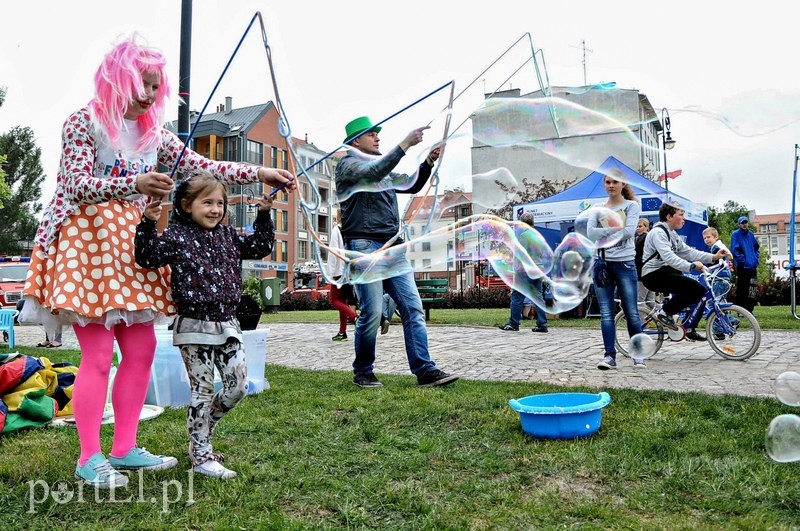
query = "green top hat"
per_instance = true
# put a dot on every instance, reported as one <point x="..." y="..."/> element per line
<point x="358" y="126"/>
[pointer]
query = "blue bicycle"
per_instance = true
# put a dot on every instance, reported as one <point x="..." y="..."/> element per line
<point x="732" y="331"/>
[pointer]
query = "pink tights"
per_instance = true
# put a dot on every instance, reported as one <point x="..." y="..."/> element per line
<point x="137" y="343"/>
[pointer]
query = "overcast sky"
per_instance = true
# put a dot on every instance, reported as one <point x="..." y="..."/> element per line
<point x="333" y="64"/>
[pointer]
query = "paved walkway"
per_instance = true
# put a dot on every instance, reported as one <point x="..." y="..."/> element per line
<point x="565" y="356"/>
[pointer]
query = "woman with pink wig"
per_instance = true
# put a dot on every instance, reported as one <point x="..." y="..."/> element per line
<point x="83" y="267"/>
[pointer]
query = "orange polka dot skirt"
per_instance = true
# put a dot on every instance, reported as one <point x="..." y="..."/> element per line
<point x="90" y="269"/>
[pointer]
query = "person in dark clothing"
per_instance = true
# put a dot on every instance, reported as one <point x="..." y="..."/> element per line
<point x="205" y="259"/>
<point x="666" y="258"/>
<point x="746" y="254"/>
<point x="367" y="190"/>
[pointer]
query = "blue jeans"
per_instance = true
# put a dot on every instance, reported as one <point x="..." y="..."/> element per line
<point x="389" y="307"/>
<point x="400" y="287"/>
<point x="623" y="280"/>
<point x="517" y="302"/>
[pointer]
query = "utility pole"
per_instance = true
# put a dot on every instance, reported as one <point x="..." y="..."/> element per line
<point x="185" y="69"/>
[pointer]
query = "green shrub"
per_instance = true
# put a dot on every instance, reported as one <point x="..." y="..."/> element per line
<point x="252" y="286"/>
<point x="476" y="297"/>
<point x="302" y="301"/>
<point x="775" y="292"/>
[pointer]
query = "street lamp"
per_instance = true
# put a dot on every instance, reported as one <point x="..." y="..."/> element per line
<point x="667" y="143"/>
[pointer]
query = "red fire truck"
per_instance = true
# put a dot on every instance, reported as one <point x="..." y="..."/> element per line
<point x="486" y="277"/>
<point x="309" y="279"/>
<point x="13" y="271"/>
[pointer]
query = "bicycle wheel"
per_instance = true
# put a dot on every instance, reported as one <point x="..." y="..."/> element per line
<point x="739" y="334"/>
<point x="650" y="327"/>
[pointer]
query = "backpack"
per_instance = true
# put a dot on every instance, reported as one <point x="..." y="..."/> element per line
<point x="639" y="245"/>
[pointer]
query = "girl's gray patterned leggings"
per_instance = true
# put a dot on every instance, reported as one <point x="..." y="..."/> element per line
<point x="205" y="407"/>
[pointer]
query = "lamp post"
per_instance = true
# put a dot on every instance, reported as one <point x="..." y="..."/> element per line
<point x="666" y="143"/>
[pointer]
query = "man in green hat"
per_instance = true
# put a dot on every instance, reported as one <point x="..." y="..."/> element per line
<point x="367" y="191"/>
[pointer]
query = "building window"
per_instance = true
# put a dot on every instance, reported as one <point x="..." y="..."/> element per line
<point x="301" y="222"/>
<point x="413" y="264"/>
<point x="426" y="263"/>
<point x="413" y="247"/>
<point x="232" y="152"/>
<point x="279" y="253"/>
<point x="302" y="250"/>
<point x="255" y="152"/>
<point x="411" y="230"/>
<point x="273" y="157"/>
<point x="464" y="212"/>
<point x="769" y="227"/>
<point x="282" y="224"/>
<point x="322" y="224"/>
<point x="426" y="247"/>
<point x="773" y="244"/>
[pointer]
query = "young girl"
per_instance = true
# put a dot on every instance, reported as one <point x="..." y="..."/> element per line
<point x="205" y="258"/>
<point x="619" y="259"/>
<point x="82" y="266"/>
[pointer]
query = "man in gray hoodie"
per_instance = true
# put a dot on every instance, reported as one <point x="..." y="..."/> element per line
<point x="665" y="258"/>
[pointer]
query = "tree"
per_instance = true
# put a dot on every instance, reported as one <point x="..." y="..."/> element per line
<point x="20" y="161"/>
<point x="5" y="190"/>
<point x="726" y="221"/>
<point x="530" y="192"/>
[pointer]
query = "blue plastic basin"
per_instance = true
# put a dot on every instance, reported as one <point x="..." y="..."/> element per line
<point x="560" y="415"/>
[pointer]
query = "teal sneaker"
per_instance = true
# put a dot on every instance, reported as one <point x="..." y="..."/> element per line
<point x="139" y="458"/>
<point x="98" y="472"/>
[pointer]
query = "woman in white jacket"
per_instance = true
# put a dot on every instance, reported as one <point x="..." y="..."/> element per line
<point x="334" y="268"/>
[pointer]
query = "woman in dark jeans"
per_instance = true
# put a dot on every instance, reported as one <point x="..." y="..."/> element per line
<point x="620" y="268"/>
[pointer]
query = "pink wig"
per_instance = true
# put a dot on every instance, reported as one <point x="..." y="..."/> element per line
<point x="118" y="81"/>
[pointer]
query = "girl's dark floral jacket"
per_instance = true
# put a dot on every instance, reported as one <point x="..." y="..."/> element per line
<point x="206" y="264"/>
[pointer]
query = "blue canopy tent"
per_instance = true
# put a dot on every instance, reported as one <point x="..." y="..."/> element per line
<point x="555" y="215"/>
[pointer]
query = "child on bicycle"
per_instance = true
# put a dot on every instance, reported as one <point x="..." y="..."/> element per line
<point x="722" y="284"/>
<point x="666" y="257"/>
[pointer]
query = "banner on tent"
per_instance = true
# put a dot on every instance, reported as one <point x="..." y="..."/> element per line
<point x="569" y="210"/>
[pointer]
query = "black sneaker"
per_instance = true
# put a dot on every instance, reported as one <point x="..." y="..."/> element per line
<point x="435" y="377"/>
<point x="366" y="380"/>
<point x="542" y="329"/>
<point x="507" y="327"/>
<point x="666" y="320"/>
<point x="384" y="325"/>
<point x="694" y="336"/>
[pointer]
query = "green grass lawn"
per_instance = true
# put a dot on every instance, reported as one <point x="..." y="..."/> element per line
<point x="770" y="317"/>
<point x="316" y="452"/>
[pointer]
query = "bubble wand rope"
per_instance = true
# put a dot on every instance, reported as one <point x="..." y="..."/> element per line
<point x="545" y="90"/>
<point x="316" y="238"/>
<point x="210" y="96"/>
<point x="449" y="83"/>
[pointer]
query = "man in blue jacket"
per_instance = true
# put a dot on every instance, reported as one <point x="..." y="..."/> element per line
<point x="744" y="248"/>
<point x="367" y="190"/>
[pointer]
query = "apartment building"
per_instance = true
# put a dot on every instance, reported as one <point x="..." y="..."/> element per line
<point x="773" y="234"/>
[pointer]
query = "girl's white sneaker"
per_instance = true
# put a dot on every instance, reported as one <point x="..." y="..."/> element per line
<point x="215" y="470"/>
